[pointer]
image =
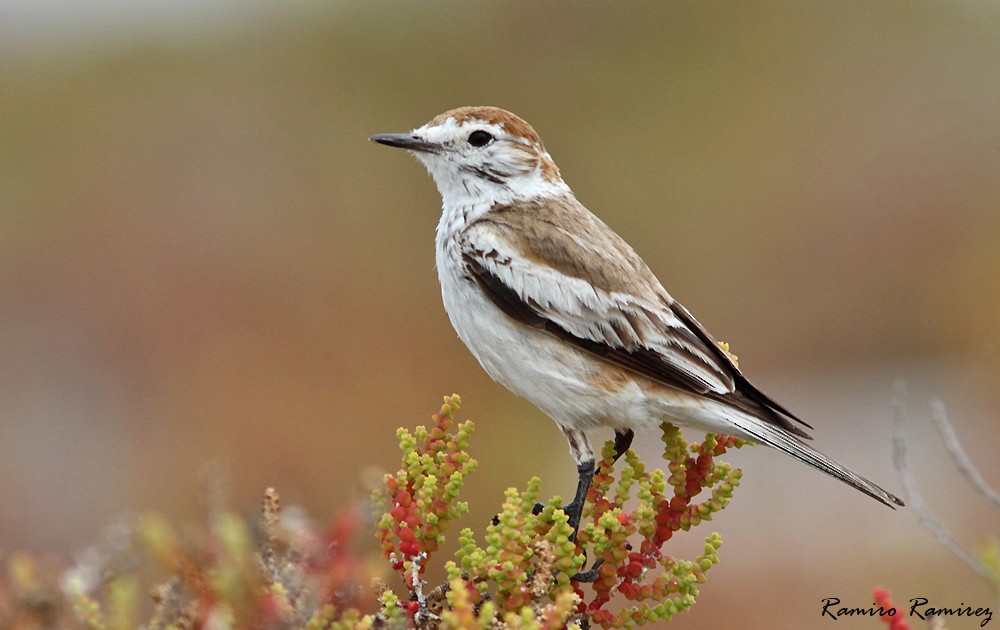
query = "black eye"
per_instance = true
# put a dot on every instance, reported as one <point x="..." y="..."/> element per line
<point x="480" y="138"/>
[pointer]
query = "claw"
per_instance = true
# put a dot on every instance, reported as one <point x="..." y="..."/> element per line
<point x="590" y="575"/>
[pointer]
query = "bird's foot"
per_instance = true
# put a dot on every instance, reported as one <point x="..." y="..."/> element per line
<point x="589" y="575"/>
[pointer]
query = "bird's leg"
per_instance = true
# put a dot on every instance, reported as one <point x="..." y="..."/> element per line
<point x="579" y="448"/>
<point x="574" y="510"/>
<point x="623" y="440"/>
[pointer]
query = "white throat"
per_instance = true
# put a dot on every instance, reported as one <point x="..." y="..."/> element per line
<point x="459" y="188"/>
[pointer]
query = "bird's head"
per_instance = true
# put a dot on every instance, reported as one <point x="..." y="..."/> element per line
<point x="481" y="155"/>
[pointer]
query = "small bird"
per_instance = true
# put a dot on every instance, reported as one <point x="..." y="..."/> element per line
<point x="562" y="311"/>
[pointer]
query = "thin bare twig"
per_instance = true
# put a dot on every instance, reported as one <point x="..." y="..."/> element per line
<point x="961" y="458"/>
<point x="916" y="502"/>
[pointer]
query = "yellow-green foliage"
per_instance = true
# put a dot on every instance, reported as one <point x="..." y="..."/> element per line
<point x="527" y="571"/>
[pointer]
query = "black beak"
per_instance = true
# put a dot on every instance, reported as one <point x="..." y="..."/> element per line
<point x="406" y="141"/>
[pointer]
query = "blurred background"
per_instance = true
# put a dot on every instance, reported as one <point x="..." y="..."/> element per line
<point x="203" y="262"/>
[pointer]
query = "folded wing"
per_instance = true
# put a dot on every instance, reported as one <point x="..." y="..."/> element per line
<point x="574" y="278"/>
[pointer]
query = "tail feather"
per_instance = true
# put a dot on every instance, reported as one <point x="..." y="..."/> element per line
<point x="776" y="437"/>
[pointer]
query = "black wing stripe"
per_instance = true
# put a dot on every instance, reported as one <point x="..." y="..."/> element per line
<point x="743" y="386"/>
<point x="641" y="361"/>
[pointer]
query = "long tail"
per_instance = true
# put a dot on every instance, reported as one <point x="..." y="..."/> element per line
<point x="765" y="433"/>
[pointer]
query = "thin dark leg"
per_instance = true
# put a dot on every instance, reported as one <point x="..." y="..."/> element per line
<point x="623" y="440"/>
<point x="574" y="510"/>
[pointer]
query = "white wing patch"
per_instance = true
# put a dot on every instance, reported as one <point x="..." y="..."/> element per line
<point x="644" y="333"/>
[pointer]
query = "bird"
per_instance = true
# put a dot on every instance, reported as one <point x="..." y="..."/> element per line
<point x="562" y="311"/>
